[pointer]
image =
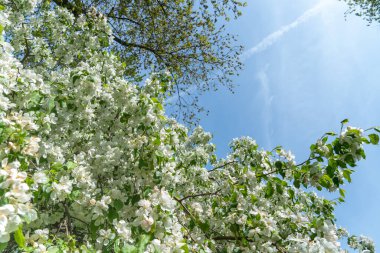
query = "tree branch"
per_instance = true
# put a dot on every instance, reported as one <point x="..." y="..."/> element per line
<point x="200" y="195"/>
<point x="230" y="238"/>
<point x="124" y="18"/>
<point x="221" y="166"/>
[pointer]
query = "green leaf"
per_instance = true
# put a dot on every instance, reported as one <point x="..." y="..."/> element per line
<point x="71" y="165"/>
<point x="157" y="141"/>
<point x="53" y="249"/>
<point x="291" y="193"/>
<point x="56" y="166"/>
<point x="253" y="199"/>
<point x="330" y="170"/>
<point x="3" y="246"/>
<point x="93" y="230"/>
<point x="112" y="214"/>
<point x="365" y="140"/>
<point x="205" y="227"/>
<point x="279" y="189"/>
<point x="116" y="246"/>
<point x="75" y="78"/>
<point x="279" y="166"/>
<point x="118" y="204"/>
<point x="135" y="198"/>
<point x="347" y="175"/>
<point x="325" y="181"/>
<point x="185" y="248"/>
<point x="50" y="104"/>
<point x="374" y="138"/>
<point x="35" y="98"/>
<point x="269" y="190"/>
<point x="143" y="241"/>
<point x="342" y="193"/>
<point x="124" y="118"/>
<point x="337" y="148"/>
<point x="129" y="249"/>
<point x="297" y="183"/>
<point x="349" y="159"/>
<point x="191" y="224"/>
<point x="19" y="237"/>
<point x="160" y="106"/>
<point x="345" y="121"/>
<point x="361" y="153"/>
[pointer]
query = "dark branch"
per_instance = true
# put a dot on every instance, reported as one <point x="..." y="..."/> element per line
<point x="221" y="166"/>
<point x="124" y="18"/>
<point x="230" y="238"/>
<point x="200" y="195"/>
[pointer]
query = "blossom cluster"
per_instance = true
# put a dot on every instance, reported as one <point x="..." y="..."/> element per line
<point x="91" y="163"/>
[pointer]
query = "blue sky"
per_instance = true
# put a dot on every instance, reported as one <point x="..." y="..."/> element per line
<point x="307" y="67"/>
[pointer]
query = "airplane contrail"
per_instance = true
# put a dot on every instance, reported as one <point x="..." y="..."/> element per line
<point x="275" y="36"/>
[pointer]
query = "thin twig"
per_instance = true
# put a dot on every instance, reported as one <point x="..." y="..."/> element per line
<point x="221" y="166"/>
<point x="200" y="195"/>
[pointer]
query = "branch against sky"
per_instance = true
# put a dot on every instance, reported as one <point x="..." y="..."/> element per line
<point x="367" y="9"/>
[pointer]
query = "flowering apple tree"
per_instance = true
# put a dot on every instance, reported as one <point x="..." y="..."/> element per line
<point x="90" y="162"/>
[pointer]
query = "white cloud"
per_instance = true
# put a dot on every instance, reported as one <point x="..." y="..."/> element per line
<point x="275" y="36"/>
<point x="265" y="95"/>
